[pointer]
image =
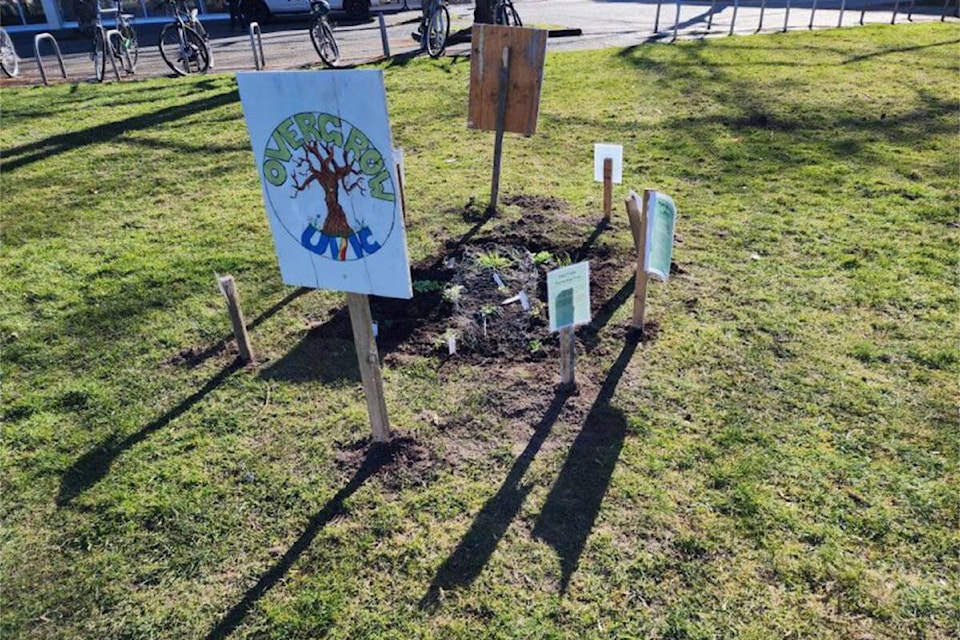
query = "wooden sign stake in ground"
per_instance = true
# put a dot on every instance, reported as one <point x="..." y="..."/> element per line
<point x="333" y="193"/>
<point x="506" y="73"/>
<point x="637" y="213"/>
<point x="568" y="303"/>
<point x="229" y="289"/>
<point x="608" y="168"/>
<point x="368" y="358"/>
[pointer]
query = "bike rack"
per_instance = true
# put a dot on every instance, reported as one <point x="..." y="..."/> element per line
<point x="676" y="22"/>
<point x="256" y="43"/>
<point x="863" y="12"/>
<point x="896" y="7"/>
<point x="108" y="35"/>
<point x="733" y="20"/>
<point x="383" y="35"/>
<point x="763" y="10"/>
<point x="37" y="39"/>
<point x="813" y="12"/>
<point x="843" y="5"/>
<point x="713" y="8"/>
<point x="786" y="17"/>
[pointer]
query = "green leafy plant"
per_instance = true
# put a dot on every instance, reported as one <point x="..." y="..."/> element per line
<point x="542" y="257"/>
<point x="493" y="260"/>
<point x="452" y="293"/>
<point x="425" y="286"/>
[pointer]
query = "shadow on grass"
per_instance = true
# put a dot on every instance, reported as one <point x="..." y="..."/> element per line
<point x="43" y="149"/>
<point x="377" y="456"/>
<point x="92" y="466"/>
<point x="574" y="501"/>
<point x="473" y="552"/>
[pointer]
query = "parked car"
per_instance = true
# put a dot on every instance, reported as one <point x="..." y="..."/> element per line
<point x="263" y="10"/>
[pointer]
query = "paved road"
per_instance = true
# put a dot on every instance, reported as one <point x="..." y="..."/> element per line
<point x="604" y="24"/>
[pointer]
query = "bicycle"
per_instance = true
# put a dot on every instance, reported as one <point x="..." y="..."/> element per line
<point x="321" y="33"/>
<point x="124" y="49"/>
<point x="183" y="42"/>
<point x="505" y="14"/>
<point x="9" y="60"/>
<point x="434" y="27"/>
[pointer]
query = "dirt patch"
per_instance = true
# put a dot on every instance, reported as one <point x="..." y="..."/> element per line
<point x="461" y="293"/>
<point x="402" y="462"/>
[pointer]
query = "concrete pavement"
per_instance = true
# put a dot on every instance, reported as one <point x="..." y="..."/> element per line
<point x="614" y="23"/>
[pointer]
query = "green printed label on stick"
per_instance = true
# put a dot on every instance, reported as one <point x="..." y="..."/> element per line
<point x="661" y="221"/>
<point x="568" y="296"/>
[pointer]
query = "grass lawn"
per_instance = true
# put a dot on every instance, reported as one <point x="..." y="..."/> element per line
<point x="779" y="460"/>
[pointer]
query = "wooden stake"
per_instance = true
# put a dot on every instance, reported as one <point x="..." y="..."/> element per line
<point x="229" y="289"/>
<point x="369" y="360"/>
<point x="607" y="188"/>
<point x="401" y="178"/>
<point x="501" y="123"/>
<point x="568" y="356"/>
<point x="640" y="284"/>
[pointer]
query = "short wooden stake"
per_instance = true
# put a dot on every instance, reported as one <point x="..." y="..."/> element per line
<point x="229" y="289"/>
<point x="369" y="360"/>
<point x="501" y="124"/>
<point x="401" y="178"/>
<point x="640" y="284"/>
<point x="607" y="188"/>
<point x="568" y="356"/>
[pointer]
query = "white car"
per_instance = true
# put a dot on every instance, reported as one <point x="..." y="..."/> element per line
<point x="263" y="10"/>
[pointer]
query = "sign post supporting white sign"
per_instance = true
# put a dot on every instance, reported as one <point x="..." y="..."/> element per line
<point x="637" y="214"/>
<point x="608" y="168"/>
<point x="568" y="303"/>
<point x="652" y="221"/>
<point x="324" y="154"/>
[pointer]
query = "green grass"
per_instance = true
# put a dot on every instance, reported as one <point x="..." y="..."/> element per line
<point x="780" y="462"/>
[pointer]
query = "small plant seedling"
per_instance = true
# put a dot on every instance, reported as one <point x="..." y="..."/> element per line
<point x="452" y="293"/>
<point x="542" y="257"/>
<point x="493" y="260"/>
<point x="425" y="286"/>
<point x="488" y="310"/>
<point x="535" y="346"/>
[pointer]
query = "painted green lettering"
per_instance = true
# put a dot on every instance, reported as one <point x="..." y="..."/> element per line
<point x="308" y="126"/>
<point x="376" y="187"/>
<point x="357" y="143"/>
<point x="329" y="129"/>
<point x="371" y="162"/>
<point x="289" y="135"/>
<point x="274" y="171"/>
<point x="281" y="153"/>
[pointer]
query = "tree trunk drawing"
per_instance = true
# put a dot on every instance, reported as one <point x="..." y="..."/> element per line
<point x="331" y="177"/>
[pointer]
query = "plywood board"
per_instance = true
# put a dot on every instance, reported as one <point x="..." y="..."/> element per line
<point x="528" y="49"/>
<point x="322" y="146"/>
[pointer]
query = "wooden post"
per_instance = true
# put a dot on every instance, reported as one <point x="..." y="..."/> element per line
<point x="229" y="289"/>
<point x="607" y="188"/>
<point x="640" y="284"/>
<point x="501" y="123"/>
<point x="401" y="178"/>
<point x="568" y="357"/>
<point x="369" y="360"/>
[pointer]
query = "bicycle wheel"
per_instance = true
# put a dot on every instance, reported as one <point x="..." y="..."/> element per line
<point x="438" y="30"/>
<point x="9" y="61"/>
<point x="183" y="50"/>
<point x="129" y="35"/>
<point x="507" y="15"/>
<point x="323" y="41"/>
<point x="99" y="54"/>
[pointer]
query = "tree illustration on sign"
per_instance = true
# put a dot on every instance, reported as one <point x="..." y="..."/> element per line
<point x="319" y="164"/>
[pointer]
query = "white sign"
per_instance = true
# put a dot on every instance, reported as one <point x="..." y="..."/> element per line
<point x="323" y="151"/>
<point x="661" y="222"/>
<point x="568" y="296"/>
<point x="612" y="151"/>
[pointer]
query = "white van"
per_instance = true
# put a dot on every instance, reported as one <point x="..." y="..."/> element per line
<point x="262" y="10"/>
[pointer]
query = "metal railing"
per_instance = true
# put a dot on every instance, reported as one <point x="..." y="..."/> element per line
<point x="37" y="39"/>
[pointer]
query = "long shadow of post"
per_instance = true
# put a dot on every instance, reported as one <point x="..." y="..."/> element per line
<point x="377" y="457"/>
<point x="574" y="501"/>
<point x="92" y="466"/>
<point x="473" y="552"/>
